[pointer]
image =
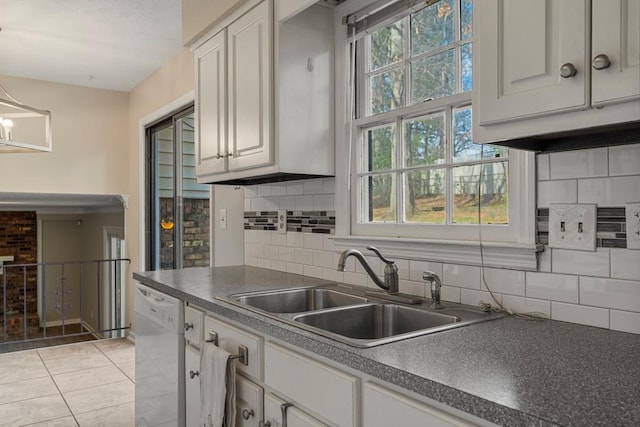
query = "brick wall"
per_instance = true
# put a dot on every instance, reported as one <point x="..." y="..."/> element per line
<point x="195" y="233"/>
<point x="18" y="238"/>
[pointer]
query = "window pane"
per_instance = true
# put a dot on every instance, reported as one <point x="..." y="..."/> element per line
<point x="387" y="91"/>
<point x="491" y="188"/>
<point x="464" y="149"/>
<point x="433" y="77"/>
<point x="466" y="19"/>
<point x="424" y="140"/>
<point x="491" y="151"/>
<point x="380" y="193"/>
<point x="433" y="26"/>
<point x="466" y="59"/>
<point x="380" y="148"/>
<point x="164" y="220"/>
<point x="387" y="45"/>
<point x="425" y="196"/>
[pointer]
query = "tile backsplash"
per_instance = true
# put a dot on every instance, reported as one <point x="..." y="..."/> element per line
<point x="599" y="288"/>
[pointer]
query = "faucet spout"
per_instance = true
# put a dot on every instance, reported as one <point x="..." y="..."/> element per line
<point x="390" y="283"/>
<point x="436" y="285"/>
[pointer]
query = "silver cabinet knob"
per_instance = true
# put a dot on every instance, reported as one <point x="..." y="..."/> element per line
<point x="600" y="62"/>
<point x="188" y="326"/>
<point x="568" y="70"/>
<point x="246" y="414"/>
<point x="193" y="374"/>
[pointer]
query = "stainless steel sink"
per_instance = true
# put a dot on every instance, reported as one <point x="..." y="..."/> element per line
<point x="354" y="316"/>
<point x="298" y="300"/>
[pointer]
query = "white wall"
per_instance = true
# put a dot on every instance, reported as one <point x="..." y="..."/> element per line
<point x="593" y="288"/>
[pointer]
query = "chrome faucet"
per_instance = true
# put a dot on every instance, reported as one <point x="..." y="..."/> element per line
<point x="390" y="284"/>
<point x="436" y="285"/>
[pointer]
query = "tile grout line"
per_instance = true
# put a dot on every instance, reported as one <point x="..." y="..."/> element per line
<point x="58" y="388"/>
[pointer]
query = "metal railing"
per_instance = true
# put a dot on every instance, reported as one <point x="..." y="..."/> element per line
<point x="38" y="299"/>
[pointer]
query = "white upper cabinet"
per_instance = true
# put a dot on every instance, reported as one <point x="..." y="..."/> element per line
<point x="551" y="66"/>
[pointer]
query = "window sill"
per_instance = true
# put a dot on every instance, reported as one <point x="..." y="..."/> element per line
<point x="498" y="255"/>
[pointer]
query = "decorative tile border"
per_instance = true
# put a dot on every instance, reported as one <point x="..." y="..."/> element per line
<point x="322" y="222"/>
<point x="610" y="227"/>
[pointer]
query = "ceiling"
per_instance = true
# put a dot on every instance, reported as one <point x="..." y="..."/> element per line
<point x="107" y="44"/>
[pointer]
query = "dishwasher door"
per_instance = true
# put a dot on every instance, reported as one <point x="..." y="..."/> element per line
<point x="159" y="359"/>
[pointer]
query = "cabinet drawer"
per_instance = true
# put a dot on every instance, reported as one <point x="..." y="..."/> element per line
<point x="320" y="388"/>
<point x="193" y="326"/>
<point x="230" y="338"/>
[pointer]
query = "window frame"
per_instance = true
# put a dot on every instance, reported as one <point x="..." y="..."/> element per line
<point x="510" y="246"/>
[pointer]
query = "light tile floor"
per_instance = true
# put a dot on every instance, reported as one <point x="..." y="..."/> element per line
<point x="86" y="384"/>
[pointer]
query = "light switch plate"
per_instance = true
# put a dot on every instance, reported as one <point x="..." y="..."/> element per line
<point x="281" y="221"/>
<point x="633" y="225"/>
<point x="572" y="226"/>
<point x="223" y="219"/>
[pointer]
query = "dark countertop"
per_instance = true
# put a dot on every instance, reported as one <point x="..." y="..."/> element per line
<point x="506" y="371"/>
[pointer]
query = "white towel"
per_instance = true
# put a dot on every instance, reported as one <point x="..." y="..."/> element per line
<point x="217" y="387"/>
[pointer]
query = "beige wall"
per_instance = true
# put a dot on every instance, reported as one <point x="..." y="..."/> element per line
<point x="198" y="16"/>
<point x="174" y="80"/>
<point x="89" y="141"/>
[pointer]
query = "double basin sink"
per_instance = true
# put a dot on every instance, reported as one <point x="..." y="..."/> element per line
<point x="356" y="317"/>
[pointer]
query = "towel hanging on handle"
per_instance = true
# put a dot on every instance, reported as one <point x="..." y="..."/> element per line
<point x="217" y="387"/>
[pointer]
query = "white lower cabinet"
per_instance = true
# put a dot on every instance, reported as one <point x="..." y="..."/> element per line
<point x="192" y="386"/>
<point x="249" y="403"/>
<point x="276" y="411"/>
<point x="382" y="408"/>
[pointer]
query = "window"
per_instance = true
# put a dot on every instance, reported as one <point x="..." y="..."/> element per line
<point x="414" y="171"/>
<point x="177" y="218"/>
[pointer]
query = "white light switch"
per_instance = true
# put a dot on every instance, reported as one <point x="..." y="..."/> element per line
<point x="572" y="226"/>
<point x="633" y="225"/>
<point x="223" y="219"/>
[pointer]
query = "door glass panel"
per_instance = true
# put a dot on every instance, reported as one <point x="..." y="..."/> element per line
<point x="164" y="222"/>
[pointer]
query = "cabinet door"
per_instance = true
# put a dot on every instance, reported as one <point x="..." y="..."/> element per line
<point x="295" y="417"/>
<point x="383" y="408"/>
<point x="249" y="398"/>
<point x="616" y="34"/>
<point x="250" y="80"/>
<point x="521" y="46"/>
<point x="211" y="105"/>
<point x="192" y="386"/>
<point x="193" y="320"/>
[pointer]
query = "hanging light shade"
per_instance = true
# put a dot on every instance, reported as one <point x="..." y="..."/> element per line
<point x="23" y="129"/>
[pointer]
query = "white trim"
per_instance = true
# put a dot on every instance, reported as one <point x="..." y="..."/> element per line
<point x="499" y="255"/>
<point x="59" y="322"/>
<point x="169" y="108"/>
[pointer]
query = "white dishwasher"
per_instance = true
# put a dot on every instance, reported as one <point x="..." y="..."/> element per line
<point x="159" y="359"/>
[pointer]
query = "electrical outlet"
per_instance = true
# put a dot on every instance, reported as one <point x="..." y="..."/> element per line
<point x="281" y="221"/>
<point x="572" y="226"/>
<point x="633" y="225"/>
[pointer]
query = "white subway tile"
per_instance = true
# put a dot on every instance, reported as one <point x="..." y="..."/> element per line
<point x="403" y="268"/>
<point x="264" y="263"/>
<point x="579" y="163"/>
<point x="610" y="293"/>
<point x="304" y="203"/>
<point x="333" y="275"/>
<point x="264" y="237"/>
<point x="581" y="262"/>
<point x="416" y="268"/>
<point x="295" y="188"/>
<point x="251" y="261"/>
<point x="625" y="264"/>
<point x="609" y="191"/>
<point x="449" y="293"/>
<point x="295" y="240"/>
<point x="625" y="321"/>
<point x="464" y="276"/>
<point x="278" y="239"/>
<point x="544" y="260"/>
<point x="264" y="189"/>
<point x="255" y="250"/>
<point x="311" y="271"/>
<point x="542" y="166"/>
<point x="504" y="281"/>
<point x="557" y="192"/>
<point x="257" y="204"/>
<point x="270" y="204"/>
<point x="312" y="241"/>
<point x="247" y="205"/>
<point x="526" y="305"/>
<point x="294" y="268"/>
<point x="287" y="202"/>
<point x="323" y="259"/>
<point x="286" y="253"/>
<point x="582" y="314"/>
<point x="624" y="160"/>
<point x="323" y="202"/>
<point x="374" y="263"/>
<point x="474" y="297"/>
<point x="270" y="252"/>
<point x="279" y="189"/>
<point x="555" y="287"/>
<point x="251" y="236"/>
<point x="250" y="191"/>
<point x="329" y="185"/>
<point x="312" y="186"/>
<point x="355" y="278"/>
<point x="412" y="288"/>
<point x="278" y="265"/>
<point x="328" y="244"/>
<point x="303" y="256"/>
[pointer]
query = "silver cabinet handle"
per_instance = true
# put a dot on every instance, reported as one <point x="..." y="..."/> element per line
<point x="246" y="414"/>
<point x="568" y="70"/>
<point x="264" y="424"/>
<point x="600" y="62"/>
<point x="193" y="374"/>
<point x="188" y="326"/>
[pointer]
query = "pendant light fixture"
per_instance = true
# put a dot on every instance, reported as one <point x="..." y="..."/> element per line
<point x="23" y="129"/>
